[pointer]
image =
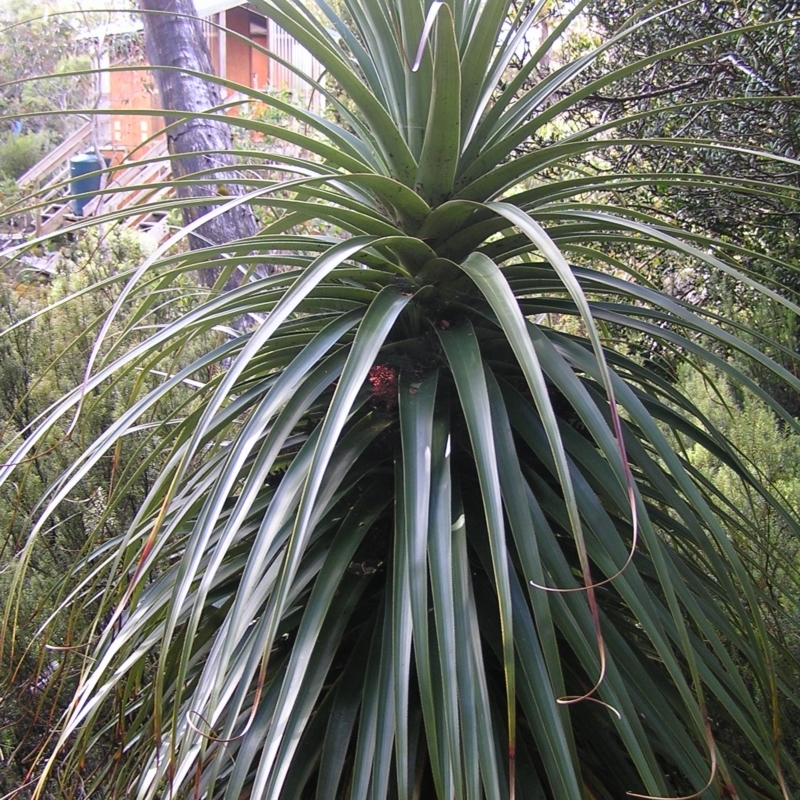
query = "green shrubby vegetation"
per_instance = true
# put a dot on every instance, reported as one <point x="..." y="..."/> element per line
<point x="18" y="153"/>
<point x="43" y="355"/>
<point x="772" y="452"/>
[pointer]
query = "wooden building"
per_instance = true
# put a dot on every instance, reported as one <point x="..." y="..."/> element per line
<point x="238" y="37"/>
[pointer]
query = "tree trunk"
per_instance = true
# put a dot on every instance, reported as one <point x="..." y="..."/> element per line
<point x="178" y="41"/>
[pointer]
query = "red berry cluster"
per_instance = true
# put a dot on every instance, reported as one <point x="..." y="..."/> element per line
<point x="384" y="384"/>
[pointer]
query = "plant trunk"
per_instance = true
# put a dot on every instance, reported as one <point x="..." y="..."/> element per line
<point x="200" y="146"/>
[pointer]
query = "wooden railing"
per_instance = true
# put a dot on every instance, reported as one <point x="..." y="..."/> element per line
<point x="126" y="186"/>
<point x="47" y="177"/>
<point x="56" y="158"/>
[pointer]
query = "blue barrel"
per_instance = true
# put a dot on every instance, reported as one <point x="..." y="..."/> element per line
<point x="81" y="181"/>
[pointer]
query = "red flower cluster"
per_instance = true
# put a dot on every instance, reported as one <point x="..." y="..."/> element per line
<point x="384" y="384"/>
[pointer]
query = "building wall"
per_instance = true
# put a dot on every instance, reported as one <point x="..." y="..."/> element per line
<point x="132" y="90"/>
<point x="238" y="61"/>
<point x="259" y="64"/>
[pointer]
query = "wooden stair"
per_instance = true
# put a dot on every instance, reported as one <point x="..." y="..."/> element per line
<point x="128" y="186"/>
<point x="135" y="184"/>
<point x="48" y="182"/>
